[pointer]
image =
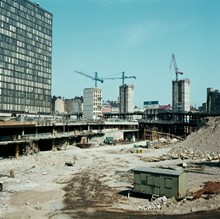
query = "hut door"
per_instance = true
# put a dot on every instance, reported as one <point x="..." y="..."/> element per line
<point x="156" y="185"/>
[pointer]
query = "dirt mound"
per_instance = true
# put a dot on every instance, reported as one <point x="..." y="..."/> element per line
<point x="207" y="138"/>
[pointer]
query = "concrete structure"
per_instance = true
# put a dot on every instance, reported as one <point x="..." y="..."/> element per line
<point x="74" y="106"/>
<point x="92" y="103"/>
<point x="126" y="98"/>
<point x="161" y="182"/>
<point x="213" y="101"/>
<point x="25" y="57"/>
<point x="181" y="95"/>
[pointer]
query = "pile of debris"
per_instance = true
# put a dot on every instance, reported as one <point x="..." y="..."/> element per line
<point x="157" y="204"/>
<point x="185" y="154"/>
<point x="195" y="154"/>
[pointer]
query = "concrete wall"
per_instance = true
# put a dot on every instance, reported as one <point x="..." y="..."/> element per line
<point x="115" y="133"/>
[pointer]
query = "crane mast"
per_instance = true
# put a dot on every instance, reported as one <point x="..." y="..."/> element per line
<point x="173" y="61"/>
<point x="95" y="78"/>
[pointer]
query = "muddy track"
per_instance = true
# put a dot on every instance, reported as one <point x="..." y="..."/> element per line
<point x="86" y="191"/>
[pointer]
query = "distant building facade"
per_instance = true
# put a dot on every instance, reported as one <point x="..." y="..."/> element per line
<point x="126" y="98"/>
<point x="181" y="95"/>
<point x="74" y="106"/>
<point x="213" y="101"/>
<point x="153" y="107"/>
<point x="92" y="103"/>
<point x="25" y="57"/>
<point x="110" y="107"/>
<point x="106" y="107"/>
<point x="58" y="105"/>
<point x="203" y="108"/>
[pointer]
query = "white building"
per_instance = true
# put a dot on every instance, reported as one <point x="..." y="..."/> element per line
<point x="181" y="95"/>
<point x="92" y="103"/>
<point x="126" y="98"/>
<point x="59" y="106"/>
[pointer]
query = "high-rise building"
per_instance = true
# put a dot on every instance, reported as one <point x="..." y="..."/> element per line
<point x="92" y="103"/>
<point x="25" y="57"/>
<point x="181" y="95"/>
<point x="126" y="98"/>
<point x="213" y="101"/>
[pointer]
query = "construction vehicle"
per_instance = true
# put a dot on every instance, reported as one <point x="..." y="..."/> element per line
<point x="95" y="78"/>
<point x="173" y="61"/>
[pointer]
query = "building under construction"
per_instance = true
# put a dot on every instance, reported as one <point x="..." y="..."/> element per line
<point x="180" y="90"/>
<point x="126" y="98"/>
<point x="181" y="95"/>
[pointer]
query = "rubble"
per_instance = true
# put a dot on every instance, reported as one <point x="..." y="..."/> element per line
<point x="158" y="204"/>
<point x="185" y="154"/>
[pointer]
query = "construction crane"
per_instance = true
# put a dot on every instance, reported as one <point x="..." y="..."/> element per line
<point x="95" y="78"/>
<point x="122" y="77"/>
<point x="173" y="60"/>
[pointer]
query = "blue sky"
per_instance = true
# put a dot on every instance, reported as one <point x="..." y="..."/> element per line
<point x="137" y="37"/>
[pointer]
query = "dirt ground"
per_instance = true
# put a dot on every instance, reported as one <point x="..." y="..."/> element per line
<point x="97" y="180"/>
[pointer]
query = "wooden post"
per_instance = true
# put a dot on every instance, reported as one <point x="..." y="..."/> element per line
<point x="17" y="151"/>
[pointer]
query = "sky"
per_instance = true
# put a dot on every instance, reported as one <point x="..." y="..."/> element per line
<point x="137" y="37"/>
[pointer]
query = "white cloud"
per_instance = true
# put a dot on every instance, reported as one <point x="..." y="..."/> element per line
<point x="137" y="34"/>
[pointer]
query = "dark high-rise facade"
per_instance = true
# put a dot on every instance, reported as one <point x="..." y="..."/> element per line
<point x="213" y="101"/>
<point x="25" y="57"/>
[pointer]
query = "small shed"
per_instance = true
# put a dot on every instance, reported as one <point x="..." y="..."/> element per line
<point x="161" y="182"/>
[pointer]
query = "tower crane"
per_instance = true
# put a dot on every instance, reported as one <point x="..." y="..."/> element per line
<point x="95" y="78"/>
<point x="173" y="60"/>
<point x="123" y="77"/>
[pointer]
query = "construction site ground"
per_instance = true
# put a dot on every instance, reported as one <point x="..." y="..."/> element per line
<point x="94" y="182"/>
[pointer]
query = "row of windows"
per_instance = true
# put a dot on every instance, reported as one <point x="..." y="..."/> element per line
<point x="24" y="94"/>
<point x="21" y="84"/>
<point x="21" y="107"/>
<point x="27" y="8"/>
<point x="15" y="52"/>
<point x="28" y="74"/>
<point x="12" y="39"/>
<point x="38" y="48"/>
<point x="31" y="63"/>
<point x="19" y="25"/>
<point x="32" y="100"/>
<point x="36" y="70"/>
<point x="18" y="76"/>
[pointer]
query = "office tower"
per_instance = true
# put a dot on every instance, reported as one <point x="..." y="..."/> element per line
<point x="25" y="57"/>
